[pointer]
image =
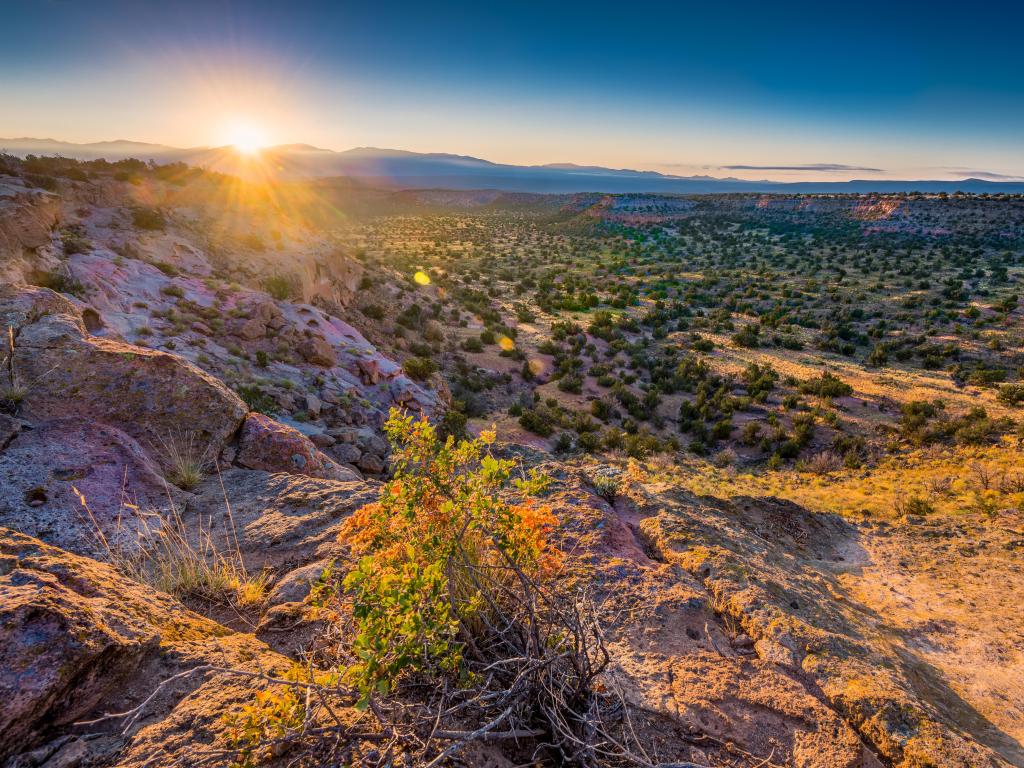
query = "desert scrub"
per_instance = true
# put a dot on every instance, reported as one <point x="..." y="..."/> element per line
<point x="454" y="587"/>
<point x="607" y="486"/>
<point x="257" y="399"/>
<point x="149" y="218"/>
<point x="419" y="368"/>
<point x="436" y="551"/>
<point x="282" y="287"/>
<point x="912" y="505"/>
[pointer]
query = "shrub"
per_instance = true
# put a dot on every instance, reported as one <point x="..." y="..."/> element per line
<point x="60" y="281"/>
<point x="747" y="336"/>
<point x="473" y="344"/>
<point x="282" y="287"/>
<point x="824" y="462"/>
<point x="912" y="505"/>
<point x="607" y="487"/>
<point x="455" y="590"/>
<point x="257" y="400"/>
<point x="828" y="386"/>
<point x="419" y="368"/>
<point x="537" y="421"/>
<point x="148" y="218"/>
<point x="1011" y="394"/>
<point x="73" y="243"/>
<point x="438" y="552"/>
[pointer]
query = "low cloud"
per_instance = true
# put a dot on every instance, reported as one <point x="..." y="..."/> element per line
<point x="987" y="175"/>
<point x="821" y="167"/>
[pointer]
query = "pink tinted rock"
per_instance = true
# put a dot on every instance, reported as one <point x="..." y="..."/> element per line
<point x="369" y="370"/>
<point x="65" y="641"/>
<point x="250" y="330"/>
<point x="41" y="467"/>
<point x="317" y="351"/>
<point x="275" y="447"/>
<point x="153" y="396"/>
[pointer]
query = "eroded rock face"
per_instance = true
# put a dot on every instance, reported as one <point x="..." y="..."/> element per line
<point x="67" y="637"/>
<point x="27" y="218"/>
<point x="283" y="521"/>
<point x="153" y="396"/>
<point x="78" y="639"/>
<point x="775" y="570"/>
<point x="43" y="467"/>
<point x="675" y="660"/>
<point x="317" y="351"/>
<point x="269" y="445"/>
<point x="58" y="657"/>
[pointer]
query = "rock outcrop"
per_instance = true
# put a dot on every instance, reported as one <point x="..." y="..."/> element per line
<point x="45" y="469"/>
<point x="76" y="637"/>
<point x="27" y="219"/>
<point x="275" y="447"/>
<point x="774" y="570"/>
<point x="155" y="397"/>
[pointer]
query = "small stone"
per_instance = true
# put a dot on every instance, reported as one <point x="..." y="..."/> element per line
<point x="318" y="351"/>
<point x="313" y="405"/>
<point x="371" y="463"/>
<point x="322" y="440"/>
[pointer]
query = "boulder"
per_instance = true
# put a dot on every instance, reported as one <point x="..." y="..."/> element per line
<point x="251" y="329"/>
<point x="65" y="641"/>
<point x="370" y="442"/>
<point x="313" y="405"/>
<point x="78" y="639"/>
<point x="372" y="463"/>
<point x="155" y="397"/>
<point x="346" y="453"/>
<point x="275" y="447"/>
<point x="322" y="440"/>
<point x="369" y="370"/>
<point x="42" y="468"/>
<point x="296" y="585"/>
<point x="318" y="351"/>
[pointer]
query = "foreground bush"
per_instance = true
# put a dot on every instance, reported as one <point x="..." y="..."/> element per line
<point x="454" y="625"/>
<point x="439" y="554"/>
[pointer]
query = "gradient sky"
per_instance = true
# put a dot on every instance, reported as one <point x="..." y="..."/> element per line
<point x="783" y="90"/>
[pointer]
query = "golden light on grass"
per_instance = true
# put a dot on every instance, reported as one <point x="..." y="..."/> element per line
<point x="422" y="278"/>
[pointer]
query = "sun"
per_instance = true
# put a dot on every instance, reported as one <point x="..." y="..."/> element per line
<point x="247" y="138"/>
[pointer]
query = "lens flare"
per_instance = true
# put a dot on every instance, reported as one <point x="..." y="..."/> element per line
<point x="422" y="278"/>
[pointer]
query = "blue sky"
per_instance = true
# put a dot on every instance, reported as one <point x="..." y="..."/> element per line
<point x="756" y="90"/>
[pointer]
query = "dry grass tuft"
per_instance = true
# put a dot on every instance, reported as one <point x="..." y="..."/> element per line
<point x="170" y="556"/>
<point x="186" y="459"/>
<point x="824" y="463"/>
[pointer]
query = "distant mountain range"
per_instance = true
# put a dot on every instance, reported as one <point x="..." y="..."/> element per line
<point x="397" y="169"/>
